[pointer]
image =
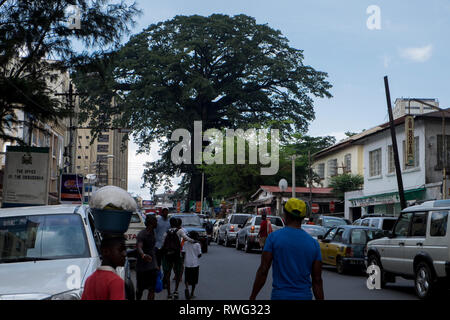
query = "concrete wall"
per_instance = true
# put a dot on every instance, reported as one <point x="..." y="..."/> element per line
<point x="356" y="159"/>
<point x="387" y="182"/>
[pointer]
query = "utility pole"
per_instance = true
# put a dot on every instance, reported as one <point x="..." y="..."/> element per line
<point x="293" y="157"/>
<point x="401" y="192"/>
<point x="310" y="184"/>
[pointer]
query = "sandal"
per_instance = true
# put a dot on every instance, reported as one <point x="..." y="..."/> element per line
<point x="175" y="295"/>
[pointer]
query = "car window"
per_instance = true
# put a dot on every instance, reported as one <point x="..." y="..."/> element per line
<point x="37" y="237"/>
<point x="402" y="226"/>
<point x="333" y="222"/>
<point x="276" y="221"/>
<point x="365" y="222"/>
<point x="338" y="236"/>
<point x="238" y="219"/>
<point x="190" y="221"/>
<point x="135" y="218"/>
<point x="330" y="234"/>
<point x="249" y="222"/>
<point x="419" y="224"/>
<point x="358" y="236"/>
<point x="438" y="226"/>
<point x="374" y="223"/>
<point x="388" y="224"/>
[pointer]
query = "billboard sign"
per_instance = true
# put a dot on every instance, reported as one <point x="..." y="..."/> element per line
<point x="71" y="188"/>
<point x="25" y="181"/>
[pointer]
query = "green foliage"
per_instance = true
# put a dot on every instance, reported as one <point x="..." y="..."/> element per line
<point x="346" y="182"/>
<point x="34" y="31"/>
<point x="228" y="72"/>
<point x="245" y="179"/>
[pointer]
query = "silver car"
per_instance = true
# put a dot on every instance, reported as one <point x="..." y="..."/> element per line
<point x="232" y="224"/>
<point x="46" y="252"/>
<point x="247" y="237"/>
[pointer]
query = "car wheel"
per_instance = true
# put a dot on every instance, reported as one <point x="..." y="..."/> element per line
<point x="373" y="260"/>
<point x="247" y="247"/>
<point x="424" y="281"/>
<point x="226" y="242"/>
<point x="340" y="267"/>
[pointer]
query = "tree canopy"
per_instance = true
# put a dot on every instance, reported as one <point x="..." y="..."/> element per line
<point x="346" y="182"/>
<point x="36" y="44"/>
<point x="228" y="72"/>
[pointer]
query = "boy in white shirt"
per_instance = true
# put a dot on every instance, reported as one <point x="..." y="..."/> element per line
<point x="191" y="252"/>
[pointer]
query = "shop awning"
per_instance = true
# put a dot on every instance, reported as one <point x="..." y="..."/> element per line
<point x="387" y="198"/>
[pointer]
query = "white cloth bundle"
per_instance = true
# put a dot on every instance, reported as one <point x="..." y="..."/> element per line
<point x="114" y="198"/>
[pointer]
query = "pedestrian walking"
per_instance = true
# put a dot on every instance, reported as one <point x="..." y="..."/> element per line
<point x="171" y="257"/>
<point x="163" y="225"/>
<point x="105" y="283"/>
<point x="146" y="266"/>
<point x="265" y="229"/>
<point x="296" y="259"/>
<point x="191" y="252"/>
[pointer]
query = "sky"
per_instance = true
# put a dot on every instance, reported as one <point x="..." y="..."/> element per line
<point x="410" y="46"/>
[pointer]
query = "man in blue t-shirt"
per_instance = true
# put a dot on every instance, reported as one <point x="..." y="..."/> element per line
<point x="296" y="259"/>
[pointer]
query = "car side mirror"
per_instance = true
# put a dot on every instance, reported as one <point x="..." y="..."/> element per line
<point x="390" y="234"/>
<point x="320" y="237"/>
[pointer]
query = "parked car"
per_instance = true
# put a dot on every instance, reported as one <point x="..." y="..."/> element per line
<point x="216" y="227"/>
<point x="247" y="237"/>
<point x="329" y="222"/>
<point x="192" y="222"/>
<point x="343" y="246"/>
<point x="417" y="248"/>
<point x="383" y="223"/>
<point x="137" y="224"/>
<point x="42" y="246"/>
<point x="313" y="230"/>
<point x="232" y="224"/>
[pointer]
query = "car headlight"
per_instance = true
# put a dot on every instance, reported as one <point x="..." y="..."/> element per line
<point x="68" y="295"/>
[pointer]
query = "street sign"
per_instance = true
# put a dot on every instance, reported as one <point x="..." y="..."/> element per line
<point x="25" y="181"/>
<point x="332" y="207"/>
<point x="315" y="208"/>
<point x="409" y="129"/>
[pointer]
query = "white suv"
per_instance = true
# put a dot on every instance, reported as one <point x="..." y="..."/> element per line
<point x="417" y="248"/>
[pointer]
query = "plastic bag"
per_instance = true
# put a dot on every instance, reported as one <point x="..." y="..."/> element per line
<point x="159" y="284"/>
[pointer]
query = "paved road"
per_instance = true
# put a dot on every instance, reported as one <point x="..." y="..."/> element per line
<point x="228" y="274"/>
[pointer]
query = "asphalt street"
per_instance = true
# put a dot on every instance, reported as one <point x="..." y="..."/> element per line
<point x="228" y="274"/>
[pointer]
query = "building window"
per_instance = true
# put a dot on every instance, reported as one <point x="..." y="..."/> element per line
<point x="321" y="170"/>
<point x="375" y="163"/>
<point x="86" y="157"/>
<point x="348" y="163"/>
<point x="416" y="154"/>
<point x="79" y="147"/>
<point x="79" y="157"/>
<point x="102" y="148"/>
<point x="78" y="167"/>
<point x="103" y="138"/>
<point x="87" y="137"/>
<point x="391" y="162"/>
<point x="87" y="147"/>
<point x="332" y="167"/>
<point x="439" y="151"/>
<point x="80" y="137"/>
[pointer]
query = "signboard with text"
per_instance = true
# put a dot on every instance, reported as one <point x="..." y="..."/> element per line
<point x="71" y="188"/>
<point x="25" y="181"/>
<point x="409" y="143"/>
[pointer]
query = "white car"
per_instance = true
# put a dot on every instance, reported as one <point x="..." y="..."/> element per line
<point x="417" y="248"/>
<point x="46" y="252"/>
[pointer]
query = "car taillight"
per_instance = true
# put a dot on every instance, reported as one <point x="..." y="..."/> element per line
<point x="252" y="229"/>
<point x="348" y="252"/>
<point x="232" y="228"/>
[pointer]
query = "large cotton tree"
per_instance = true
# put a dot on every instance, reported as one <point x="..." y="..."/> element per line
<point x="228" y="72"/>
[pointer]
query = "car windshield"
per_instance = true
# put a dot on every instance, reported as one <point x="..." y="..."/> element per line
<point x="135" y="218"/>
<point x="333" y="222"/>
<point x="273" y="220"/>
<point x="42" y="237"/>
<point x="190" y="221"/>
<point x="313" y="230"/>
<point x="238" y="219"/>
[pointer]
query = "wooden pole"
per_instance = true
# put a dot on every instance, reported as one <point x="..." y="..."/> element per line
<point x="398" y="171"/>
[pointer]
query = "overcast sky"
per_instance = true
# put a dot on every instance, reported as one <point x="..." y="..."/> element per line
<point x="411" y="48"/>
